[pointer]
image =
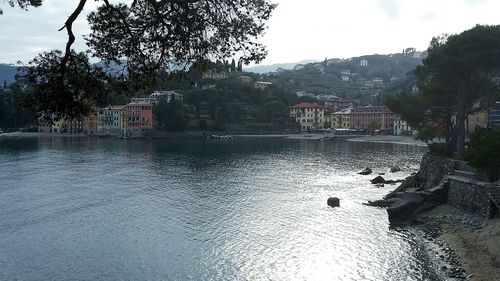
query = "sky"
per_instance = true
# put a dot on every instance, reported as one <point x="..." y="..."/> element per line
<point x="298" y="30"/>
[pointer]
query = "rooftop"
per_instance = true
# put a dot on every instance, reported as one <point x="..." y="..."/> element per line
<point x="305" y="105"/>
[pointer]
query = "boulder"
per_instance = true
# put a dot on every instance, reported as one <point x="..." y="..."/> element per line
<point x="395" y="169"/>
<point x="404" y="208"/>
<point x="366" y="171"/>
<point x="377" y="180"/>
<point x="333" y="202"/>
<point x="381" y="203"/>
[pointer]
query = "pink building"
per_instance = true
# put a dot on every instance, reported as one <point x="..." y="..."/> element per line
<point x="374" y="118"/>
<point x="138" y="119"/>
<point x="245" y="79"/>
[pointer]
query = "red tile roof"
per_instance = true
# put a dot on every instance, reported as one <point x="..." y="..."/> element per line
<point x="306" y="105"/>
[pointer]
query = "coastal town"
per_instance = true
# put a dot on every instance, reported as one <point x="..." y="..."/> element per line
<point x="249" y="140"/>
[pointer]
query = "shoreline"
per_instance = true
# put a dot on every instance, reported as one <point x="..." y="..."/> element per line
<point x="472" y="240"/>
<point x="404" y="140"/>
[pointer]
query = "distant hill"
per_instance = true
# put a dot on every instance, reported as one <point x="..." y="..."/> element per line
<point x="274" y="67"/>
<point x="7" y="73"/>
<point x="350" y="78"/>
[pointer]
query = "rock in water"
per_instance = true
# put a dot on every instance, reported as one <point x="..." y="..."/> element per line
<point x="378" y="180"/>
<point x="333" y="202"/>
<point x="366" y="171"/>
<point x="395" y="169"/>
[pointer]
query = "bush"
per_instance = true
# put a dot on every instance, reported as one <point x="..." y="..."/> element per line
<point x="484" y="152"/>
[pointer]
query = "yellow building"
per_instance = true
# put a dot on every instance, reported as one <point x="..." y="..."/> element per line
<point x="341" y="119"/>
<point x="310" y="116"/>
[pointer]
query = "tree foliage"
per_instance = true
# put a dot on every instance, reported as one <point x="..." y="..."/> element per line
<point x="71" y="94"/>
<point x="460" y="76"/>
<point x="147" y="38"/>
<point x="23" y="4"/>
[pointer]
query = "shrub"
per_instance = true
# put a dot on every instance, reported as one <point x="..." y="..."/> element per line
<point x="484" y="152"/>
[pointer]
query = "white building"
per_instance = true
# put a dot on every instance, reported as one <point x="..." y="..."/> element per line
<point x="156" y="95"/>
<point x="401" y="128"/>
<point x="363" y="63"/>
<point x="310" y="116"/>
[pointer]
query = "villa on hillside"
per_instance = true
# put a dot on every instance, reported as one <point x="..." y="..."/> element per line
<point x="261" y="85"/>
<point x="310" y="116"/>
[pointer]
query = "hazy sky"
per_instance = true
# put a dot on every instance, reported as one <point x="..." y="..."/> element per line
<point x="312" y="29"/>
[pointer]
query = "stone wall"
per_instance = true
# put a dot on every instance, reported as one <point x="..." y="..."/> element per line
<point x="469" y="195"/>
<point x="433" y="169"/>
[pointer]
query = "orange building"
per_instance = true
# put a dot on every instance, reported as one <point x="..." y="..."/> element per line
<point x="373" y="117"/>
<point x="90" y="124"/>
<point x="139" y="118"/>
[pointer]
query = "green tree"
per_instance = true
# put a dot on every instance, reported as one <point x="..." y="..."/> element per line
<point x="459" y="77"/>
<point x="233" y="66"/>
<point x="71" y="94"/>
<point x="147" y="37"/>
<point x="23" y="4"/>
<point x="170" y="116"/>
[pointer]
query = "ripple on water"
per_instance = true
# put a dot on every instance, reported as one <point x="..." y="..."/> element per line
<point x="241" y="210"/>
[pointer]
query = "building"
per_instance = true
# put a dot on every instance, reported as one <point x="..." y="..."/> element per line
<point x="363" y="63"/>
<point x="212" y="74"/>
<point x="338" y="104"/>
<point x="245" y="79"/>
<point x="494" y="116"/>
<point x="261" y="85"/>
<point x="345" y="75"/>
<point x="401" y="128"/>
<point x="109" y="120"/>
<point x="305" y="94"/>
<point x="90" y="123"/>
<point x="73" y="126"/>
<point x="56" y="127"/>
<point x="310" y="116"/>
<point x="378" y="118"/>
<point x="476" y="121"/>
<point x="341" y="119"/>
<point x="324" y="97"/>
<point x="157" y="95"/>
<point x="138" y="119"/>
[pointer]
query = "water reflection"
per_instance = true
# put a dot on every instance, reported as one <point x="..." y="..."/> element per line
<point x="180" y="210"/>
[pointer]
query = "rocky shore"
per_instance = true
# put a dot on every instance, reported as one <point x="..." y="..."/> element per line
<point x="459" y="229"/>
<point x="468" y="243"/>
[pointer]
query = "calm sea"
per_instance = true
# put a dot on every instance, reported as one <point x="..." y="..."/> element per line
<point x="104" y="209"/>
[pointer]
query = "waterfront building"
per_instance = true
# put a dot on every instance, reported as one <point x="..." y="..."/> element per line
<point x="138" y="119"/>
<point x="109" y="120"/>
<point x="378" y="118"/>
<point x="90" y="123"/>
<point x="56" y="127"/>
<point x="401" y="128"/>
<point x="73" y="126"/>
<point x="341" y="119"/>
<point x="310" y="116"/>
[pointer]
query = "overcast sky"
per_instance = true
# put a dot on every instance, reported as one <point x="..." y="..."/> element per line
<point x="298" y="30"/>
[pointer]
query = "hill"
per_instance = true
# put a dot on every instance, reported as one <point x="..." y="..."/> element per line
<point x="363" y="79"/>
<point x="274" y="67"/>
<point x="7" y="73"/>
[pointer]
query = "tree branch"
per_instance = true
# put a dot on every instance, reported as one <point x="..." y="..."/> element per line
<point x="71" y="36"/>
